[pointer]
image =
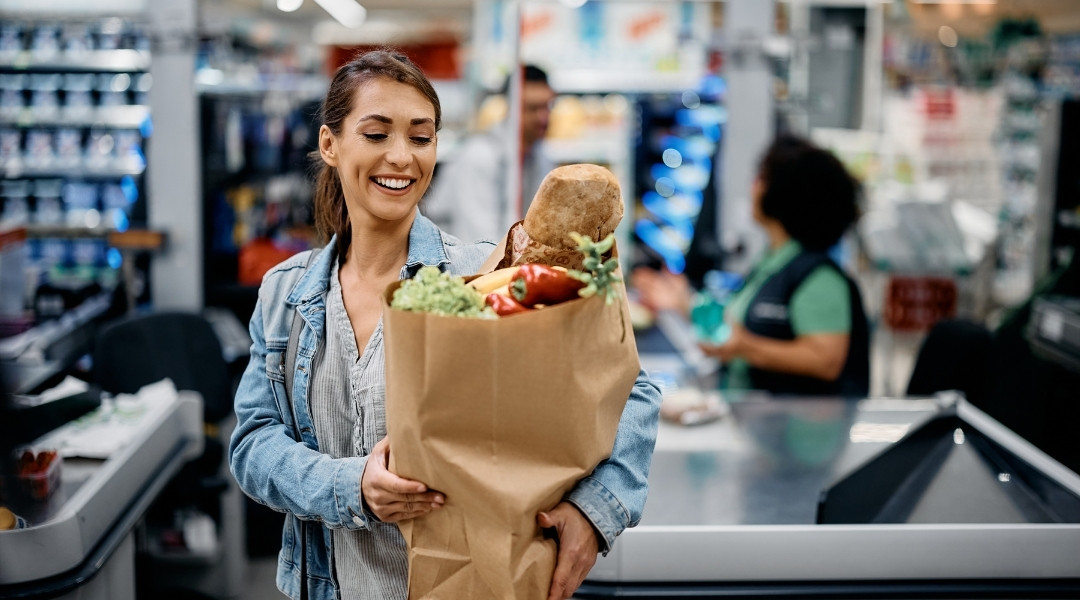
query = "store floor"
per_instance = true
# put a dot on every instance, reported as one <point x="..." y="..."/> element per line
<point x="893" y="356"/>
<point x="260" y="578"/>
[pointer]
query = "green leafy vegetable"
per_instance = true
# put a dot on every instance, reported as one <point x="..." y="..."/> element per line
<point x="440" y="293"/>
<point x="598" y="276"/>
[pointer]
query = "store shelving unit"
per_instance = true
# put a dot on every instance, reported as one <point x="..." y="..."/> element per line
<point x="675" y="185"/>
<point x="256" y="190"/>
<point x="74" y="121"/>
<point x="82" y="60"/>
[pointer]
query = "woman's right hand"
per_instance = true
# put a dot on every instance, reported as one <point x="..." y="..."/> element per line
<point x="392" y="498"/>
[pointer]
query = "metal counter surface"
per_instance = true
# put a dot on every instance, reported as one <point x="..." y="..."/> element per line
<point x="766" y="462"/>
<point x="98" y="501"/>
<point x="732" y="509"/>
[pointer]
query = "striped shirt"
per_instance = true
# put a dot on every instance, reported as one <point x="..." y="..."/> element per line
<point x="347" y="404"/>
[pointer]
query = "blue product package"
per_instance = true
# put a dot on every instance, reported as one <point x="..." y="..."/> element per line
<point x="88" y="252"/>
<point x="54" y="252"/>
<point x="707" y="311"/>
<point x="81" y="204"/>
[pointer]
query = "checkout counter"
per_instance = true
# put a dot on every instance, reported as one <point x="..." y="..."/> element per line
<point x="80" y="541"/>
<point x="844" y="498"/>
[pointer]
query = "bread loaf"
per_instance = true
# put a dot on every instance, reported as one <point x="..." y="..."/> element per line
<point x="581" y="197"/>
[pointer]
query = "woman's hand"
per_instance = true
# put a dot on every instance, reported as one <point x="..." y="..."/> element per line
<point x="392" y="498"/>
<point x="577" y="548"/>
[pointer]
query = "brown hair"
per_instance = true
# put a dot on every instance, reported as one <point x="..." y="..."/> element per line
<point x="331" y="214"/>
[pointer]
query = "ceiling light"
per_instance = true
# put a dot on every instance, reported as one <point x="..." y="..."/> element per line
<point x="955" y="1"/>
<point x="346" y="12"/>
<point x="289" y="5"/>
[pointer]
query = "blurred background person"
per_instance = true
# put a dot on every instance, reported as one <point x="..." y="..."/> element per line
<point x="469" y="194"/>
<point x="797" y="324"/>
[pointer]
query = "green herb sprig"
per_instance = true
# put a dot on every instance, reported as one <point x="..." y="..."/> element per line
<point x="597" y="274"/>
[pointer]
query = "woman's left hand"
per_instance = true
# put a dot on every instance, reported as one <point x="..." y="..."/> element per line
<point x="578" y="547"/>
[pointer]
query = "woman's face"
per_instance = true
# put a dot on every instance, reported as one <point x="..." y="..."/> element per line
<point x="385" y="154"/>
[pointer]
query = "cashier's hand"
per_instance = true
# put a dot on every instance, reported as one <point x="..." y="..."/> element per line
<point x="662" y="290"/>
<point x="577" y="548"/>
<point x="392" y="498"/>
<point x="733" y="347"/>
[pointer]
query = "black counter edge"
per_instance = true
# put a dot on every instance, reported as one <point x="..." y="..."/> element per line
<point x="982" y="589"/>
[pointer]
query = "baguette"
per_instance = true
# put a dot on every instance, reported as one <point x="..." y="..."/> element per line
<point x="489" y="282"/>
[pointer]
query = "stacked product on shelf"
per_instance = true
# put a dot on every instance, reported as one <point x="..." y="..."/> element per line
<point x="256" y="188"/>
<point x="1020" y="164"/>
<point x="74" y="119"/>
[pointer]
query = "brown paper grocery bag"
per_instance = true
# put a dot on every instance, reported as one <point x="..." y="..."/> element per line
<point x="504" y="417"/>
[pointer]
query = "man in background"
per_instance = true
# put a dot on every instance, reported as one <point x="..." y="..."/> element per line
<point x="469" y="195"/>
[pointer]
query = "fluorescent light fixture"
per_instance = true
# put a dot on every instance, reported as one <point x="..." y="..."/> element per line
<point x="955" y="1"/>
<point x="574" y="3"/>
<point x="289" y="5"/>
<point x="346" y="12"/>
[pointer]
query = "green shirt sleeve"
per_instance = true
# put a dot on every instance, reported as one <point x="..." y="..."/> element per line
<point x="821" y="304"/>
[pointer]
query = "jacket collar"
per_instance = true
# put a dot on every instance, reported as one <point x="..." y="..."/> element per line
<point x="425" y="245"/>
<point x="425" y="248"/>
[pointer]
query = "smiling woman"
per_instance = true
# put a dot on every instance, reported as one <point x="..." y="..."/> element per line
<point x="311" y="438"/>
<point x="308" y="455"/>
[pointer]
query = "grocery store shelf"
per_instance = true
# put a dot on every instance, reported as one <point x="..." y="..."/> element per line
<point x="87" y="61"/>
<point x="610" y="149"/>
<point x="18" y="170"/>
<point x="588" y="81"/>
<point x="211" y="82"/>
<point x="66" y="231"/>
<point x="130" y="116"/>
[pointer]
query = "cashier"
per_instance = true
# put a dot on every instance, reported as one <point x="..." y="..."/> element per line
<point x="797" y="323"/>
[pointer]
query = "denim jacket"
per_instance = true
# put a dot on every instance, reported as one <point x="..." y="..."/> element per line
<point x="275" y="457"/>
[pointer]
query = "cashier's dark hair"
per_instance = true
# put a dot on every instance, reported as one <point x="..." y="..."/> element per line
<point x="808" y="191"/>
<point x="331" y="213"/>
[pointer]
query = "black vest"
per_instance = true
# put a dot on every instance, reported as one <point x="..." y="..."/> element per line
<point x="768" y="316"/>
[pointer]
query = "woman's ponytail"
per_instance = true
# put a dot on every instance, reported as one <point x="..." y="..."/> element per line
<point x="331" y="214"/>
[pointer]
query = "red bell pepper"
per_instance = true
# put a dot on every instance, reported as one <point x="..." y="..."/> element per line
<point x="504" y="305"/>
<point x="536" y="283"/>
